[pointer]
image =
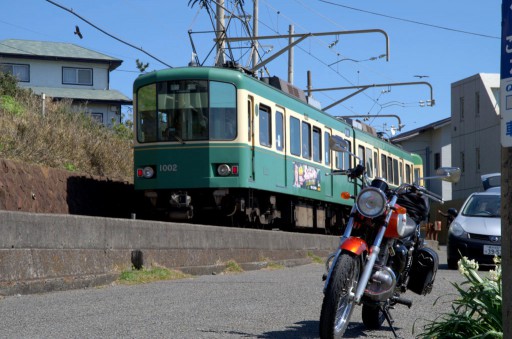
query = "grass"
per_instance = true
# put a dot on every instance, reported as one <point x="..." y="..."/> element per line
<point x="144" y="276"/>
<point x="232" y="267"/>
<point x="315" y="258"/>
<point x="64" y="137"/>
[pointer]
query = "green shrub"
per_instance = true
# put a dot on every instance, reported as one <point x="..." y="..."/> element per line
<point x="64" y="137"/>
<point x="477" y="311"/>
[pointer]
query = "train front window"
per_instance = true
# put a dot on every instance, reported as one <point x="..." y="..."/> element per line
<point x="186" y="110"/>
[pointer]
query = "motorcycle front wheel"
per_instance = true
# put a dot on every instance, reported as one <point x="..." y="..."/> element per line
<point x="373" y="316"/>
<point x="337" y="306"/>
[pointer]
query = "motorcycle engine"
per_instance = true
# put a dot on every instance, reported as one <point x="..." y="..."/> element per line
<point x="381" y="285"/>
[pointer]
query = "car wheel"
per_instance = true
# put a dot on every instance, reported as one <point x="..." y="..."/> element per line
<point x="452" y="264"/>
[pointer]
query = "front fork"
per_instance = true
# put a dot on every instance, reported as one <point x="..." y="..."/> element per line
<point x="358" y="246"/>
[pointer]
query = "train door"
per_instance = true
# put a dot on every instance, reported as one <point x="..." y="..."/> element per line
<point x="280" y="142"/>
<point x="329" y="188"/>
<point x="250" y="136"/>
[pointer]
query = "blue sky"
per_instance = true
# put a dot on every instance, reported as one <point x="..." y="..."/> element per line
<point x="445" y="40"/>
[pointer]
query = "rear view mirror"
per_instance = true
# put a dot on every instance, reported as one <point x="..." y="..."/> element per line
<point x="338" y="144"/>
<point x="450" y="174"/>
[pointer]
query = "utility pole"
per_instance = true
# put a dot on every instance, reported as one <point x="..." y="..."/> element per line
<point x="290" y="56"/>
<point x="221" y="34"/>
<point x="506" y="165"/>
<point x="255" y="15"/>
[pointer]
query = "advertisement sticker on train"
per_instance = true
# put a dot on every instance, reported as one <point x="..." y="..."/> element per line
<point x="306" y="176"/>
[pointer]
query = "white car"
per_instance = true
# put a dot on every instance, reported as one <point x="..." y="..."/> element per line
<point x="476" y="231"/>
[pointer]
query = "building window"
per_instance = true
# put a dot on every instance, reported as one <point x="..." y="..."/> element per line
<point x="477" y="104"/>
<point x="462" y="167"/>
<point x="265" y="126"/>
<point x="21" y="72"/>
<point x="437" y="160"/>
<point x="77" y="76"/>
<point x="461" y="108"/>
<point x="98" y="117"/>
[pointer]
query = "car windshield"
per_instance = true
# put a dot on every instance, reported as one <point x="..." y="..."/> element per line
<point x="482" y="205"/>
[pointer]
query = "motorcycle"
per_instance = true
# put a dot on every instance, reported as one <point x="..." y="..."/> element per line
<point x="381" y="253"/>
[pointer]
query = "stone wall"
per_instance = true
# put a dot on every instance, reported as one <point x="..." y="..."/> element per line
<point x="32" y="188"/>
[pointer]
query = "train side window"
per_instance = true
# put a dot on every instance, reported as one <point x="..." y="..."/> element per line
<point x="417" y="174"/>
<point x="360" y="154"/>
<point x="390" y="170"/>
<point x="384" y="167"/>
<point x="408" y="174"/>
<point x="265" y="126"/>
<point x="396" y="178"/>
<point x="306" y="140"/>
<point x="326" y="148"/>
<point x="223" y="113"/>
<point x="401" y="172"/>
<point x="369" y="162"/>
<point x="346" y="157"/>
<point x="317" y="144"/>
<point x="295" y="136"/>
<point x="376" y="165"/>
<point x="279" y="131"/>
<point x="146" y="114"/>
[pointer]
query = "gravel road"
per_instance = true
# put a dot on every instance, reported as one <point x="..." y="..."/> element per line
<point x="283" y="303"/>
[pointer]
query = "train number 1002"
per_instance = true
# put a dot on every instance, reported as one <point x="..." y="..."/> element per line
<point x="169" y="168"/>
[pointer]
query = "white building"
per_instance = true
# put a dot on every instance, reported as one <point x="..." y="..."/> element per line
<point x="65" y="71"/>
<point x="469" y="138"/>
<point x="433" y="143"/>
<point x="476" y="147"/>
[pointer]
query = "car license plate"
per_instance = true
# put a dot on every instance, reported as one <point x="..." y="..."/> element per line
<point x="492" y="250"/>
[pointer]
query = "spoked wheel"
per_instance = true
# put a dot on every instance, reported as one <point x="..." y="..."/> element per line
<point x="373" y="316"/>
<point x="337" y="306"/>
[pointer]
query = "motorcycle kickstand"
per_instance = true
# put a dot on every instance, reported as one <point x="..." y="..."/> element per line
<point x="390" y="320"/>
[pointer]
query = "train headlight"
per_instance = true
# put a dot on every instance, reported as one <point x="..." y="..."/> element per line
<point x="224" y="170"/>
<point x="371" y="202"/>
<point x="148" y="172"/>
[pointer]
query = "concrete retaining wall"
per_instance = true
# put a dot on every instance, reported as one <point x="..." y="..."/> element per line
<point x="46" y="252"/>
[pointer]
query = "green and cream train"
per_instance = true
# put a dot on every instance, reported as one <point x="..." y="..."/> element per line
<point x="218" y="146"/>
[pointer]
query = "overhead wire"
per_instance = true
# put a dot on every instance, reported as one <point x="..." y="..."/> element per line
<point x="410" y="21"/>
<point x="110" y="35"/>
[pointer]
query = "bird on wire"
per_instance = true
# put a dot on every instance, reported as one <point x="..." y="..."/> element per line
<point x="77" y="32"/>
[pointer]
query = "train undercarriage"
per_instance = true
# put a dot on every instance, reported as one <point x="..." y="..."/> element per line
<point x="246" y="208"/>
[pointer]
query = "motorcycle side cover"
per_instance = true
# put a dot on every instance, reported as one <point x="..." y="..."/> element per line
<point x="423" y="271"/>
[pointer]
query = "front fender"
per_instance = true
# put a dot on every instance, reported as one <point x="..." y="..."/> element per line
<point x="354" y="245"/>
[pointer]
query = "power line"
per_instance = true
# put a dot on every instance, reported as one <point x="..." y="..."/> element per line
<point x="410" y="21"/>
<point x="104" y="32"/>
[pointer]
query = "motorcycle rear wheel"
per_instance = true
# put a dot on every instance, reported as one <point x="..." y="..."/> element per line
<point x="337" y="307"/>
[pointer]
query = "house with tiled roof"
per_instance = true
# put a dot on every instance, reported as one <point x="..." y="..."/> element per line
<point x="66" y="71"/>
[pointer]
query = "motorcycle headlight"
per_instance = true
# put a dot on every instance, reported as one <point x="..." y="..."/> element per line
<point x="371" y="202"/>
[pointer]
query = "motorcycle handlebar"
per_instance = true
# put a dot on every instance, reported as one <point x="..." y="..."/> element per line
<point x="423" y="191"/>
